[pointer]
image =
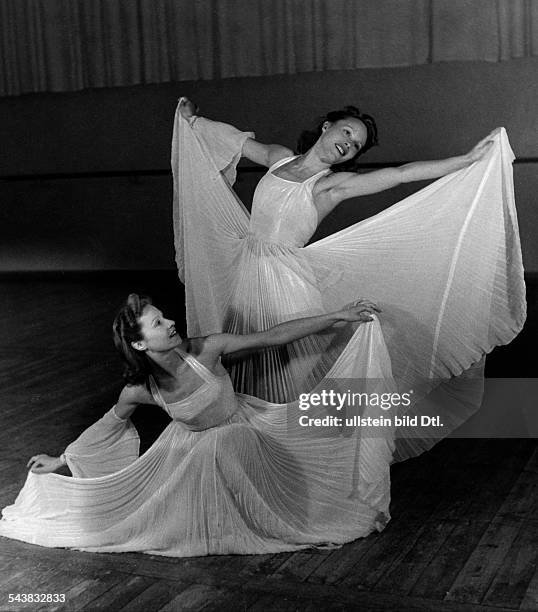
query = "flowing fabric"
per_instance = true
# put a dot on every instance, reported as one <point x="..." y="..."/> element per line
<point x="229" y="474"/>
<point x="444" y="265"/>
<point x="234" y="473"/>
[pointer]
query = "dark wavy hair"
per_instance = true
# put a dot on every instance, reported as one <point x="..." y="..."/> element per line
<point x="126" y="329"/>
<point x="308" y="138"/>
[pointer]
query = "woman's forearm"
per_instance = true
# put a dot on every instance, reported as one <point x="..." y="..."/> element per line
<point x="424" y="170"/>
<point x="298" y="328"/>
<point x="359" y="311"/>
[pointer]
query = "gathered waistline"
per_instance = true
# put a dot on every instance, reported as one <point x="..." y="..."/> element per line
<point x="252" y="236"/>
<point x="227" y="420"/>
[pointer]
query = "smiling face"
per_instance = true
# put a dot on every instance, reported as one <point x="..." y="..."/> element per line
<point x="158" y="333"/>
<point x="341" y="140"/>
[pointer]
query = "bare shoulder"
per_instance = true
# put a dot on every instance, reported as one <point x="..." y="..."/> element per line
<point x="135" y="394"/>
<point x="264" y="154"/>
<point x="278" y="152"/>
<point x="207" y="350"/>
<point x="208" y="347"/>
<point x="130" y="397"/>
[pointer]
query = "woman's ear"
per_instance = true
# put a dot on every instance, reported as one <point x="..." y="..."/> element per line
<point x="139" y="345"/>
<point x="325" y="126"/>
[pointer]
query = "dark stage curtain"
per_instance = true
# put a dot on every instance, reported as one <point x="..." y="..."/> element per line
<point x="67" y="45"/>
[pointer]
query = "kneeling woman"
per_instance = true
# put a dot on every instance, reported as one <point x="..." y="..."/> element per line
<point x="229" y="474"/>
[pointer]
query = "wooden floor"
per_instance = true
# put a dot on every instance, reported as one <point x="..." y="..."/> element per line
<point x="464" y="533"/>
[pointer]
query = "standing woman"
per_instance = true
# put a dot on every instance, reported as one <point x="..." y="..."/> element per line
<point x="230" y="474"/>
<point x="444" y="264"/>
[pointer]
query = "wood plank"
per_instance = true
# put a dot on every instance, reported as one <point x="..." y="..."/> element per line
<point x="27" y="439"/>
<point x="530" y="600"/>
<point x="214" y="570"/>
<point x="36" y="374"/>
<point x="12" y="470"/>
<point x="237" y="600"/>
<point x="32" y="578"/>
<point x="61" y="581"/>
<point x="301" y="564"/>
<point x="339" y="563"/>
<point x="155" y="596"/>
<point x="480" y="568"/>
<point x="274" y="602"/>
<point x="194" y="597"/>
<point x="441" y="572"/>
<point x="53" y="413"/>
<point x="403" y="575"/>
<point x="17" y="569"/>
<point x="390" y="546"/>
<point x="18" y="363"/>
<point x="85" y="592"/>
<point x="513" y="578"/>
<point x="491" y="490"/>
<point x="357" y="599"/>
<point x="41" y="388"/>
<point x="119" y="595"/>
<point x="265" y="564"/>
<point x="498" y="481"/>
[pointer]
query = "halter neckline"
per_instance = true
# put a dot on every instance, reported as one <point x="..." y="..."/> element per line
<point x="281" y="162"/>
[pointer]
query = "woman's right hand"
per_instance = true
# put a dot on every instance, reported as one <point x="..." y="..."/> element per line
<point x="43" y="464"/>
<point x="187" y="108"/>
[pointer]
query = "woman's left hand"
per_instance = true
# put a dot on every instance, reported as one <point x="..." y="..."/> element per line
<point x="43" y="464"/>
<point x="480" y="149"/>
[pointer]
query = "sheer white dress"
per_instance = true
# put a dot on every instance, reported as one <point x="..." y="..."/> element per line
<point x="236" y="474"/>
<point x="444" y="265"/>
<point x="230" y="474"/>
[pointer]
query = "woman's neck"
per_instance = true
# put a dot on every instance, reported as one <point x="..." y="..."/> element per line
<point x="165" y="365"/>
<point x="309" y="163"/>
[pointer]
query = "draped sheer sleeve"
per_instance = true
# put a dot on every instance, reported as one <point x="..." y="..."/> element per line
<point x="209" y="219"/>
<point x="105" y="447"/>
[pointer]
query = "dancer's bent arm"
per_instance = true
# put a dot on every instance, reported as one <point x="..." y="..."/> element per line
<point x="130" y="397"/>
<point x="263" y="154"/>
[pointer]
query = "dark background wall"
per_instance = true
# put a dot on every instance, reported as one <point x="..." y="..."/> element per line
<point x="117" y="223"/>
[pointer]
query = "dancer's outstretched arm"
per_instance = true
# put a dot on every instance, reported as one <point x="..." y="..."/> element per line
<point x="341" y="186"/>
<point x="221" y="344"/>
<point x="130" y="397"/>
<point x="263" y="154"/>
